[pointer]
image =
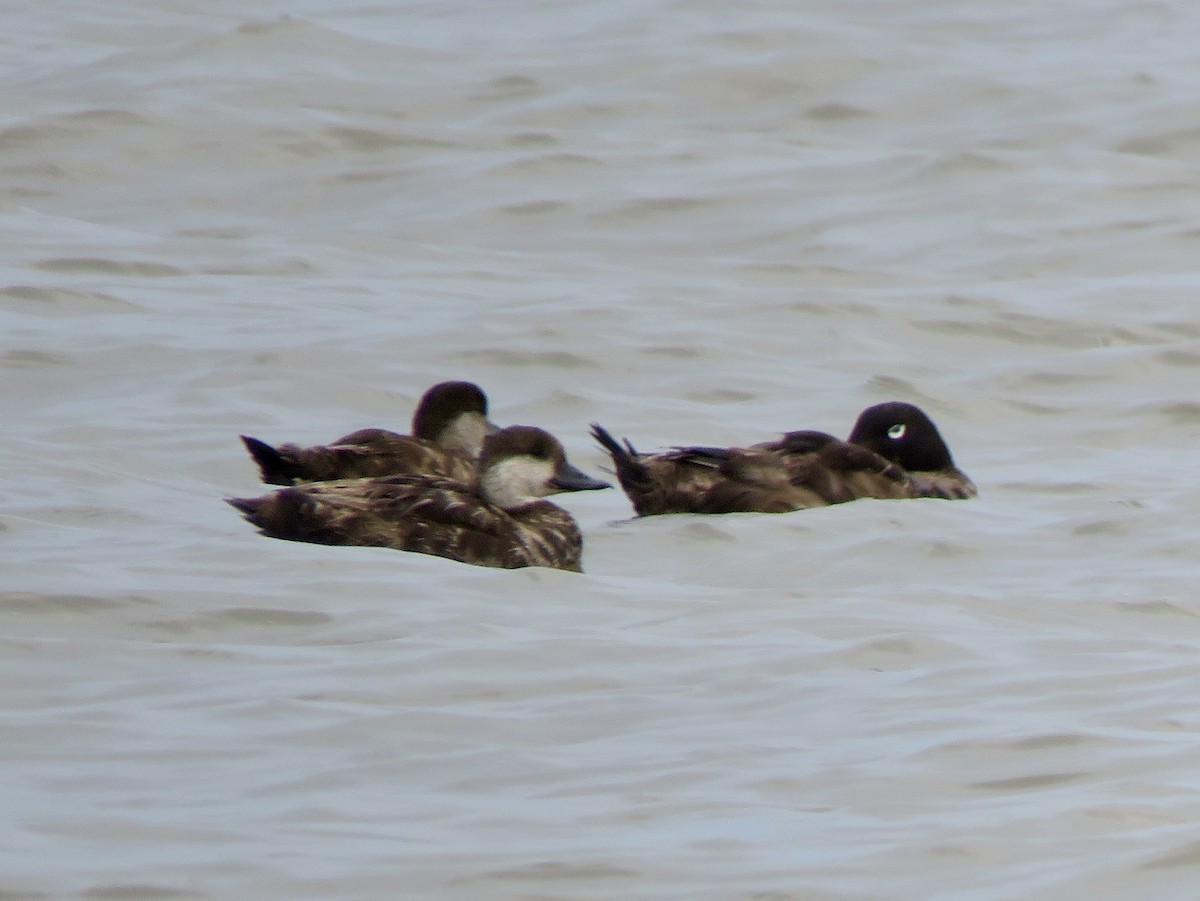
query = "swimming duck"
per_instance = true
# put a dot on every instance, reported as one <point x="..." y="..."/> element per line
<point x="448" y="428"/>
<point x="894" y="451"/>
<point x="499" y="518"/>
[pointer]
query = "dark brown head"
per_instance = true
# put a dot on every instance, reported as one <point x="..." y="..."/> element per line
<point x="521" y="463"/>
<point x="453" y="415"/>
<point x="903" y="434"/>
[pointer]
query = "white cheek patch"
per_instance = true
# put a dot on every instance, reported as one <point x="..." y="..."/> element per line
<point x="517" y="481"/>
<point x="897" y="431"/>
<point x="467" y="432"/>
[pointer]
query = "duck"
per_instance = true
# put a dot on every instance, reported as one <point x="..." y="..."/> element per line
<point x="499" y="518"/>
<point x="894" y="451"/>
<point x="448" y="429"/>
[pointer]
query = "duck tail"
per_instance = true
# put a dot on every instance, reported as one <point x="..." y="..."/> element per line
<point x="276" y="467"/>
<point x="630" y="470"/>
<point x="253" y="509"/>
<point x="281" y="514"/>
<point x="244" y="505"/>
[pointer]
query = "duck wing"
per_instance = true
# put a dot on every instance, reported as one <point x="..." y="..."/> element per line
<point x="840" y="471"/>
<point x="366" y="453"/>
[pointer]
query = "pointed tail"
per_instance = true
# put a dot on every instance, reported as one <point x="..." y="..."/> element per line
<point x="276" y="468"/>
<point x="630" y="470"/>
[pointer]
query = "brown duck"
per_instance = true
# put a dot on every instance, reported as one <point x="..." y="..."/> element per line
<point x="894" y="451"/>
<point x="448" y="429"/>
<point x="498" y="518"/>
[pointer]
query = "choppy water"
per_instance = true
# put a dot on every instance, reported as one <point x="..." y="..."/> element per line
<point x="692" y="223"/>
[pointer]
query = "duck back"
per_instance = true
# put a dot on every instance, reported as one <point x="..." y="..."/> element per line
<point x="366" y="453"/>
<point x="423" y="515"/>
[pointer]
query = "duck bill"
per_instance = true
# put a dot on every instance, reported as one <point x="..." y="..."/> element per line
<point x="568" y="478"/>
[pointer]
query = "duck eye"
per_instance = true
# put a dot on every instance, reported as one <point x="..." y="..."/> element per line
<point x="897" y="431"/>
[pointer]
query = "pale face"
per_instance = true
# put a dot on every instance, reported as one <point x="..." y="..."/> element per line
<point x="516" y="481"/>
<point x="466" y="433"/>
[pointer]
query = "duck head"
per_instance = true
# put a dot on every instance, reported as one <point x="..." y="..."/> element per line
<point x="902" y="433"/>
<point x="454" y="415"/>
<point x="521" y="464"/>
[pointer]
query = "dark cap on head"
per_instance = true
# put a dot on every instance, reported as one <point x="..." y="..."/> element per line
<point x="444" y="403"/>
<point x="902" y="433"/>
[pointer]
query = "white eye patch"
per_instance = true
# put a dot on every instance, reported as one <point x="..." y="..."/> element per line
<point x="897" y="431"/>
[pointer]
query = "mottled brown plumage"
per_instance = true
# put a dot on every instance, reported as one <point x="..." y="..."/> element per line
<point x="497" y="519"/>
<point x="448" y="428"/>
<point x="895" y="451"/>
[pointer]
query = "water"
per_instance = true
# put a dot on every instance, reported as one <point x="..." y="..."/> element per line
<point x="691" y="225"/>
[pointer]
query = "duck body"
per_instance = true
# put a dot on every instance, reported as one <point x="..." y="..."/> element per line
<point x="801" y="469"/>
<point x="500" y="518"/>
<point x="449" y="426"/>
